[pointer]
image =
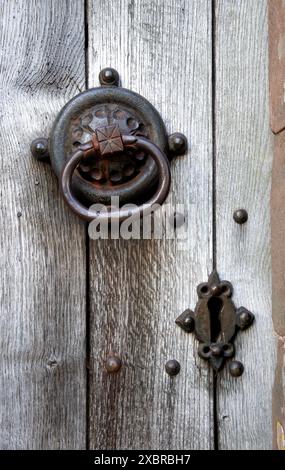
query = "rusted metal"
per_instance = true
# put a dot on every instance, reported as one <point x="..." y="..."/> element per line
<point x="113" y="364"/>
<point x="129" y="171"/>
<point x="109" y="174"/>
<point x="172" y="367"/>
<point x="215" y="321"/>
<point x="240" y="216"/>
<point x="276" y="21"/>
<point x="108" y="140"/>
<point x="186" y="321"/>
<point x="131" y="175"/>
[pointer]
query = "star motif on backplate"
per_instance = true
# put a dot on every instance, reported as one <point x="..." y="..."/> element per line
<point x="109" y="139"/>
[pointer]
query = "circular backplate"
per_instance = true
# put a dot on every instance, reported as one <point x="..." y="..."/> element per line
<point x="128" y="175"/>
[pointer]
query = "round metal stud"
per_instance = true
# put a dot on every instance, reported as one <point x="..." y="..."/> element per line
<point x="236" y="369"/>
<point x="113" y="364"/>
<point x="177" y="143"/>
<point x="186" y="321"/>
<point x="188" y="324"/>
<point x="109" y="76"/>
<point x="245" y="319"/>
<point x="172" y="367"/>
<point x="240" y="216"/>
<point x="39" y="149"/>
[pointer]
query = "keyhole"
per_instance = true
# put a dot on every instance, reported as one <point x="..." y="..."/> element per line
<point x="215" y="306"/>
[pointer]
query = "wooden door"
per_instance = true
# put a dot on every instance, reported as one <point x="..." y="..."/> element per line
<point x="67" y="301"/>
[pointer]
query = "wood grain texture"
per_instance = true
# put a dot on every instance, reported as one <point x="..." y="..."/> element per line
<point x="162" y="50"/>
<point x="276" y="42"/>
<point x="42" y="311"/>
<point x="243" y="175"/>
<point x="276" y="13"/>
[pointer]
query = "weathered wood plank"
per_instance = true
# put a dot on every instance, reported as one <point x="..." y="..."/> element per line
<point x="162" y="50"/>
<point x="42" y="311"/>
<point x="276" y="16"/>
<point x="276" y="28"/>
<point x="243" y="174"/>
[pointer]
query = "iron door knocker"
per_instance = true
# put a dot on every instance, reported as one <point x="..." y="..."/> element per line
<point x="110" y="141"/>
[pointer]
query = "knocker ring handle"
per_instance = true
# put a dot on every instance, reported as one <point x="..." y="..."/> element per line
<point x="120" y="214"/>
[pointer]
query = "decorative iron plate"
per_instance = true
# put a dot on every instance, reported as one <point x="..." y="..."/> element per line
<point x="215" y="321"/>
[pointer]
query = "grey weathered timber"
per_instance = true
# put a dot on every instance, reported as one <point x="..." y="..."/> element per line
<point x="243" y="176"/>
<point x="135" y="289"/>
<point x="42" y="309"/>
<point x="162" y="50"/>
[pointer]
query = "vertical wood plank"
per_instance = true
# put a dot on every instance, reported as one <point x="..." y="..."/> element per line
<point x="162" y="50"/>
<point x="243" y="175"/>
<point x="42" y="309"/>
<point x="276" y="30"/>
